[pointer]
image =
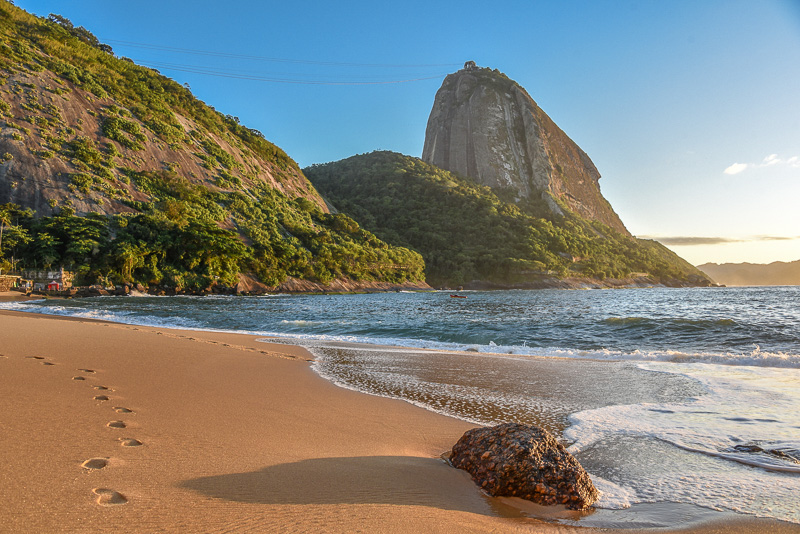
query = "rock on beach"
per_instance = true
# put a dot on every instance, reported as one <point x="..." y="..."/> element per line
<point x="526" y="461"/>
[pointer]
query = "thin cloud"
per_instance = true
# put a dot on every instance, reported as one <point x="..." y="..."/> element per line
<point x="736" y="168"/>
<point x="770" y="161"/>
<point x="688" y="241"/>
<point x="683" y="241"/>
<point x="774" y="238"/>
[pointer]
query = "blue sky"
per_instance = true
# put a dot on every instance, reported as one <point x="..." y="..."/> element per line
<point x="665" y="97"/>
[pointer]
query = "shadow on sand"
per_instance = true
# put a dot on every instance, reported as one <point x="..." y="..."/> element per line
<point x="395" y="480"/>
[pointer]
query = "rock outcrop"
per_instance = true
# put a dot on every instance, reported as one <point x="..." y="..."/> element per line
<point x="44" y="179"/>
<point x="526" y="461"/>
<point x="485" y="126"/>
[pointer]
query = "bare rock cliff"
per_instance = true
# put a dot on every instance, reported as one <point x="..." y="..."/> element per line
<point x="485" y="126"/>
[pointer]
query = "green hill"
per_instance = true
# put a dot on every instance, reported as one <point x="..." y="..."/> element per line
<point x="468" y="236"/>
<point x="118" y="173"/>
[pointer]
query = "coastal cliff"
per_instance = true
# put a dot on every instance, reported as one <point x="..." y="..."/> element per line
<point x="485" y="126"/>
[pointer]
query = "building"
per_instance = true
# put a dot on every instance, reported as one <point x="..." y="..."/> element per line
<point x="43" y="279"/>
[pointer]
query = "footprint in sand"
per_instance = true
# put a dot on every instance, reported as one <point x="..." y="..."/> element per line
<point x="120" y="409"/>
<point x="109" y="497"/>
<point x="129" y="442"/>
<point x="95" y="463"/>
<point x="103" y="388"/>
<point x="90" y="371"/>
<point x="78" y="378"/>
<point x="39" y="358"/>
<point x="101" y="397"/>
<point x="117" y="424"/>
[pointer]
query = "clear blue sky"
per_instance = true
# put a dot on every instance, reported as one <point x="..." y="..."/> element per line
<point x="665" y="97"/>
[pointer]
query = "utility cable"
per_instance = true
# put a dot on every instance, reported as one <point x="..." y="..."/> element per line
<point x="270" y="59"/>
<point x="223" y="74"/>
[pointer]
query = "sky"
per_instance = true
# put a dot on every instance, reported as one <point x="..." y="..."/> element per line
<point x="690" y="110"/>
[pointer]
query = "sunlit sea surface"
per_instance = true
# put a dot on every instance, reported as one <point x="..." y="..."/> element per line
<point x="665" y="395"/>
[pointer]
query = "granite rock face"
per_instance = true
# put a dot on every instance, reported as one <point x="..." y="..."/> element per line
<point x="485" y="126"/>
<point x="45" y="183"/>
<point x="526" y="461"/>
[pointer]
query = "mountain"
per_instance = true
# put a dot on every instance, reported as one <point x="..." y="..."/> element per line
<point x="118" y="173"/>
<point x="778" y="273"/>
<point x="485" y="126"/>
<point x="469" y="236"/>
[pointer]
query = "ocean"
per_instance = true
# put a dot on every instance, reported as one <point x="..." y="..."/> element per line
<point x="687" y="396"/>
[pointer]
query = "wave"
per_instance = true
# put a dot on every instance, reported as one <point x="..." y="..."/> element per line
<point x="755" y="358"/>
<point x="647" y="321"/>
<point x="178" y="318"/>
<point x="301" y="322"/>
<point x="759" y="457"/>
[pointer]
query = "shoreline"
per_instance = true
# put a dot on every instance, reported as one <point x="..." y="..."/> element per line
<point x="230" y="427"/>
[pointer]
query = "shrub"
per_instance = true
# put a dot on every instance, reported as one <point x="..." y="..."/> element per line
<point x="82" y="181"/>
<point x="83" y="149"/>
<point x="125" y="132"/>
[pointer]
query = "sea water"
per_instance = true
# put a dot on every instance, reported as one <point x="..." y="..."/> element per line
<point x="665" y="395"/>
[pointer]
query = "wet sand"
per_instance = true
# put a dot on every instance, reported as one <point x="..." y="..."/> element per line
<point x="115" y="427"/>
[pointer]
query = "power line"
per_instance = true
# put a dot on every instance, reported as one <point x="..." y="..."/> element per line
<point x="193" y="51"/>
<point x="327" y="76"/>
<point x="230" y="74"/>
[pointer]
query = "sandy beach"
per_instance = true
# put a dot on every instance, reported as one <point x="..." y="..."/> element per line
<point x="110" y="427"/>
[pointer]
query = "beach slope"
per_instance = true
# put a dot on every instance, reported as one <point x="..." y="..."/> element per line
<point x="115" y="427"/>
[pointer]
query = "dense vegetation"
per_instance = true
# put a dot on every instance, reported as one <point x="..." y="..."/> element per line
<point x="137" y="195"/>
<point x="167" y="246"/>
<point x="465" y="232"/>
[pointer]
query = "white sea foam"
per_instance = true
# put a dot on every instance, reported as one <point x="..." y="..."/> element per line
<point x="299" y="322"/>
<point x="612" y="496"/>
<point x="756" y="357"/>
<point x="733" y="448"/>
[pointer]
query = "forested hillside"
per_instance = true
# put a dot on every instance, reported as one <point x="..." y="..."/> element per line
<point x="467" y="235"/>
<point x="116" y="172"/>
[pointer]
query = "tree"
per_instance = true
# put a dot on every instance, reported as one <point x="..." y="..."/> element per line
<point x="15" y="234"/>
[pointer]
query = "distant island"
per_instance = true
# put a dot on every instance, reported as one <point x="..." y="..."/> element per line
<point x="778" y="273"/>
